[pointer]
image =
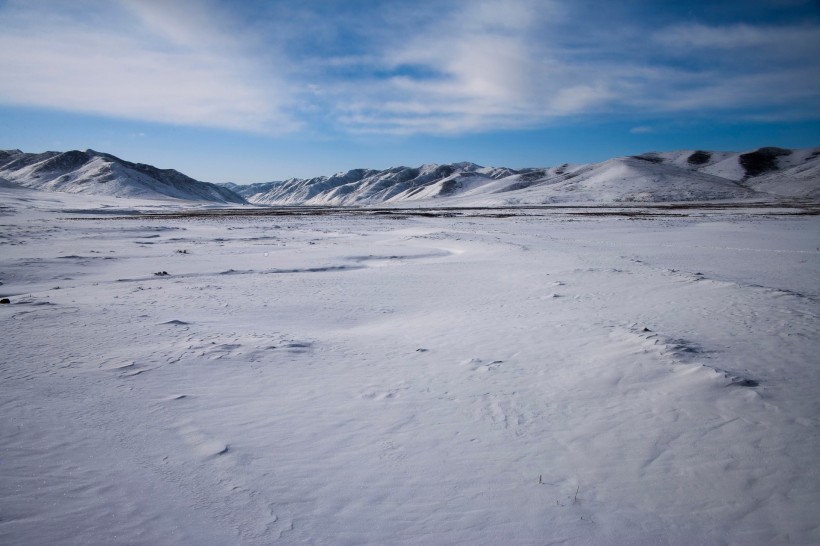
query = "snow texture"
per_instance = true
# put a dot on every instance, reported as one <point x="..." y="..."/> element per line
<point x="568" y="376"/>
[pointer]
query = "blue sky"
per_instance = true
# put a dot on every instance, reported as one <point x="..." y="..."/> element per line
<point x="254" y="91"/>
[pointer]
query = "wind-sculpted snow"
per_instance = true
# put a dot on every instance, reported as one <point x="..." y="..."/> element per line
<point x="339" y="376"/>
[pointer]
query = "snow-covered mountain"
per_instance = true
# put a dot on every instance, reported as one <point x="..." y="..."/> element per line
<point x="691" y="175"/>
<point x="98" y="173"/>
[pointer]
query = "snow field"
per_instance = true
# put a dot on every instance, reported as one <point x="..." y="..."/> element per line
<point x="344" y="380"/>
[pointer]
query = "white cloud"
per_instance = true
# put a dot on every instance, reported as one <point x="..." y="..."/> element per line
<point x="170" y="62"/>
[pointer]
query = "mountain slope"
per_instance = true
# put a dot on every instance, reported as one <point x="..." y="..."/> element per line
<point x="98" y="173"/>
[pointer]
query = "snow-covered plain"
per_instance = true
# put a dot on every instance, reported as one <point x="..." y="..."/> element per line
<point x="547" y="377"/>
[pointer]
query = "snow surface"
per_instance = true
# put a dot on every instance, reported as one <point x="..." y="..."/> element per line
<point x="542" y="378"/>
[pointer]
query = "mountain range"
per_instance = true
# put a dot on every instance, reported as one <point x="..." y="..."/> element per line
<point x="692" y="175"/>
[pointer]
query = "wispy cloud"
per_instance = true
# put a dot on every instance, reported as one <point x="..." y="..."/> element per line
<point x="170" y="62"/>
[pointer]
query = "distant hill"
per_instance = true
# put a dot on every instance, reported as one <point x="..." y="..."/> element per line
<point x="99" y="173"/>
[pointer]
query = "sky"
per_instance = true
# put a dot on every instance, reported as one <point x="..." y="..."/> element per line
<point x="256" y="91"/>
